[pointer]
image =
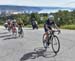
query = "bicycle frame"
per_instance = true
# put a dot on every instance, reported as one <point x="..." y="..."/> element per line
<point x="50" y="40"/>
<point x="51" y="35"/>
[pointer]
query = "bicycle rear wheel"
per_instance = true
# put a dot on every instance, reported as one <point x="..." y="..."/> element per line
<point x="21" y="33"/>
<point x="55" y="44"/>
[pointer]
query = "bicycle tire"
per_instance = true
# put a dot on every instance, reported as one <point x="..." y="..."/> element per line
<point x="57" y="39"/>
<point x="21" y="33"/>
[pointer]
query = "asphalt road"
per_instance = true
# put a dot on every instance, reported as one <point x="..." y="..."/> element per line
<point x="22" y="49"/>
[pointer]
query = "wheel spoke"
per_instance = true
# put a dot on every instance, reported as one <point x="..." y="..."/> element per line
<point x="55" y="44"/>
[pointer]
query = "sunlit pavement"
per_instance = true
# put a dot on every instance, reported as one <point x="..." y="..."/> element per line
<point x="22" y="49"/>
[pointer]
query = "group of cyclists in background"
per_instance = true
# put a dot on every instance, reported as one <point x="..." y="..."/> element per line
<point x="14" y="27"/>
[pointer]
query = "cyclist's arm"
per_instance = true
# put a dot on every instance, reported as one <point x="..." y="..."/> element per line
<point x="47" y="27"/>
<point x="57" y="28"/>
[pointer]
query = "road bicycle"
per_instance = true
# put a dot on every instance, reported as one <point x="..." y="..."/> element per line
<point x="53" y="40"/>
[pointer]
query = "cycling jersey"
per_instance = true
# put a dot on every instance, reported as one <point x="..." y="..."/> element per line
<point x="49" y="25"/>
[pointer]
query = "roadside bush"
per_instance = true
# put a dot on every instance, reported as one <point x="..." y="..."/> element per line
<point x="71" y="27"/>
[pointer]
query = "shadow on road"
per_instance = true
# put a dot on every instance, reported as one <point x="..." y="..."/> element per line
<point x="10" y="38"/>
<point x="4" y="33"/>
<point x="35" y="54"/>
<point x="5" y="36"/>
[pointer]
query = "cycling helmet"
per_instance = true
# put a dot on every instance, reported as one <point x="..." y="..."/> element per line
<point x="51" y="17"/>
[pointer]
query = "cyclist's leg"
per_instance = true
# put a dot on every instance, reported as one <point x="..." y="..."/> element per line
<point x="14" y="29"/>
<point x="49" y="37"/>
<point x="45" y="35"/>
<point x="46" y="31"/>
<point x="9" y="28"/>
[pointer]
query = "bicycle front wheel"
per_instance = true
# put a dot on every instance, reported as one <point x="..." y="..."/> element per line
<point x="55" y="44"/>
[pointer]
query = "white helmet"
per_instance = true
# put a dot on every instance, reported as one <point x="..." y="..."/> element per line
<point x="51" y="17"/>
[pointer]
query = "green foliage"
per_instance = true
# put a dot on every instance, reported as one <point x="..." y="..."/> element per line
<point x="36" y="16"/>
<point x="71" y="27"/>
<point x="61" y="18"/>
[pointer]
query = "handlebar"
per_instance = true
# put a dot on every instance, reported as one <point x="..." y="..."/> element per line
<point x="52" y="31"/>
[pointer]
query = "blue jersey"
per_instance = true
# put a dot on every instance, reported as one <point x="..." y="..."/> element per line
<point x="48" y="23"/>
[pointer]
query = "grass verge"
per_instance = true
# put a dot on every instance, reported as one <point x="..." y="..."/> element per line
<point x="70" y="27"/>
